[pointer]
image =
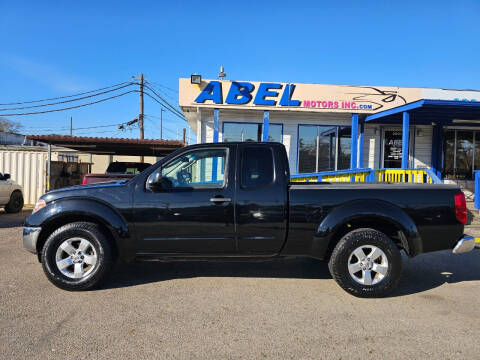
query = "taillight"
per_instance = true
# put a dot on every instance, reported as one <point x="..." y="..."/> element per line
<point x="461" y="207"/>
<point x="84" y="181"/>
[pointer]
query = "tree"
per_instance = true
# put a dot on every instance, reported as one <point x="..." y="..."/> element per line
<point x="7" y="125"/>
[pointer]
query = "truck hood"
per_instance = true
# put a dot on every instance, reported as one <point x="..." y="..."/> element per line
<point x="93" y="190"/>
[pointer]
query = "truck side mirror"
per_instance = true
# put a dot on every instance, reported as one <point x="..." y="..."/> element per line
<point x="157" y="183"/>
<point x="6" y="176"/>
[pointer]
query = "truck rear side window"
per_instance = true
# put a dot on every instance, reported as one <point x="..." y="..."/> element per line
<point x="257" y="167"/>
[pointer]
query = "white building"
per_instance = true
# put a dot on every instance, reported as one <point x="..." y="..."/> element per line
<point x="437" y="128"/>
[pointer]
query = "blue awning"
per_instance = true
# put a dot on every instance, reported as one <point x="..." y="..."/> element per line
<point x="426" y="112"/>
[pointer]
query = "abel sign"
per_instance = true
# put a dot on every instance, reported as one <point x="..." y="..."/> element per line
<point x="288" y="96"/>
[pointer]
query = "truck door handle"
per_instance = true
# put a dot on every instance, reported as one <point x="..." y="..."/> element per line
<point x="220" y="199"/>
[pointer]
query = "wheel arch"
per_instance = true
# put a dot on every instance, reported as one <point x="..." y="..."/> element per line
<point x="61" y="212"/>
<point x="378" y="215"/>
<point x="50" y="226"/>
<point x="17" y="190"/>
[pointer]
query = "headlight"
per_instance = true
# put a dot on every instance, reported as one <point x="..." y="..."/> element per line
<point x="40" y="204"/>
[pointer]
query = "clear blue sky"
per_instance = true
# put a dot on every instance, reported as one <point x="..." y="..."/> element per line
<point x="53" y="49"/>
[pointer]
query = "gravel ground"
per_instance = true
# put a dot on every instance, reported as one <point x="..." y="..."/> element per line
<point x="268" y="310"/>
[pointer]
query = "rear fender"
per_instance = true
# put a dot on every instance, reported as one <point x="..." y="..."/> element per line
<point x="371" y="210"/>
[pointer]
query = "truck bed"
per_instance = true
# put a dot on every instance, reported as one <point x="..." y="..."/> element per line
<point x="430" y="208"/>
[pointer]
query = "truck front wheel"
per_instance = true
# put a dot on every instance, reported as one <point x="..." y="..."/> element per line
<point x="366" y="263"/>
<point x="77" y="256"/>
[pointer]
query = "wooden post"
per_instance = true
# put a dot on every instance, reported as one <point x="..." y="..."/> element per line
<point x="140" y="115"/>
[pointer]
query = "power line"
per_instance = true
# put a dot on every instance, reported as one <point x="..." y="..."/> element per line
<point x="100" y="132"/>
<point x="173" y="112"/>
<point x="165" y="128"/>
<point x="67" y="101"/>
<point x="172" y="132"/>
<point x="165" y="118"/>
<point x="71" y="107"/>
<point x="67" y="128"/>
<point x="81" y="128"/>
<point x="65" y="97"/>
<point x="161" y="91"/>
<point x="163" y="86"/>
<point x="168" y="106"/>
<point x="166" y="102"/>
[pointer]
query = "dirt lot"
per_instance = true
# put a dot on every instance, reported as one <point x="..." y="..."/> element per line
<point x="279" y="309"/>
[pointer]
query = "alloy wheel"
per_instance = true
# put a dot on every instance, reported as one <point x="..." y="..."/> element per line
<point x="368" y="265"/>
<point x="76" y="258"/>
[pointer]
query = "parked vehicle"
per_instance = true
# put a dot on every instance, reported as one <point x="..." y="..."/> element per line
<point x="234" y="200"/>
<point x="117" y="170"/>
<point x="11" y="194"/>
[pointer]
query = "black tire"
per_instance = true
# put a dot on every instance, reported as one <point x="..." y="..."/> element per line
<point x="340" y="257"/>
<point x="15" y="204"/>
<point x="101" y="245"/>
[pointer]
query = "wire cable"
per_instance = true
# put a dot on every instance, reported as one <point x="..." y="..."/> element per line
<point x="72" y="107"/>
<point x="67" y="101"/>
<point x="161" y="91"/>
<point x="161" y="98"/>
<point x="65" y="97"/>
<point x="82" y="128"/>
<point x="155" y="99"/>
<point x="163" y="86"/>
<point x="165" y="128"/>
<point x="168" y="105"/>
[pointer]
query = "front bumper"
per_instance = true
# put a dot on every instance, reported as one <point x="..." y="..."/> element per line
<point x="465" y="244"/>
<point x="30" y="237"/>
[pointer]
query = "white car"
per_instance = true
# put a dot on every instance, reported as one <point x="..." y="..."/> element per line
<point x="11" y="194"/>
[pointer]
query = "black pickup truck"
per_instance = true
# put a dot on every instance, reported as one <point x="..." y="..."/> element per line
<point x="235" y="200"/>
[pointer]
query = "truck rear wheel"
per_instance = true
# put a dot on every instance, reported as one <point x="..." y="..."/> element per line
<point x="366" y="263"/>
<point x="77" y="256"/>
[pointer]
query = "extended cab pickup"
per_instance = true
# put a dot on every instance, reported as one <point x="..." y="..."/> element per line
<point x="235" y="200"/>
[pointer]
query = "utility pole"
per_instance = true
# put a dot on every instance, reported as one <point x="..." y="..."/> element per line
<point x="161" y="122"/>
<point x="140" y="115"/>
<point x="71" y="126"/>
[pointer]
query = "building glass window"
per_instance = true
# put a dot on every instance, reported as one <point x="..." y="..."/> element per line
<point x="449" y="154"/>
<point x="461" y="154"/>
<point x="344" y="147"/>
<point x="251" y="132"/>
<point x="323" y="148"/>
<point x="307" y="149"/>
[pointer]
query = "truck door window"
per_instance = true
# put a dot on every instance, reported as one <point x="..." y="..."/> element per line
<point x="196" y="169"/>
<point x="257" y="167"/>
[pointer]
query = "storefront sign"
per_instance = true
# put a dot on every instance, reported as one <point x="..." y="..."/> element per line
<point x="287" y="96"/>
<point x="455" y="95"/>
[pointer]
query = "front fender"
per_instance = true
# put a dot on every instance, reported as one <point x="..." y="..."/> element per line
<point x="371" y="210"/>
<point x="84" y="208"/>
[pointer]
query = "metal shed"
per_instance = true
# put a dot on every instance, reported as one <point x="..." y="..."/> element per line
<point x="30" y="166"/>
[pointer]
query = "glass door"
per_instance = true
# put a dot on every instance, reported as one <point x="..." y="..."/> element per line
<point x="461" y="152"/>
<point x="392" y="148"/>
